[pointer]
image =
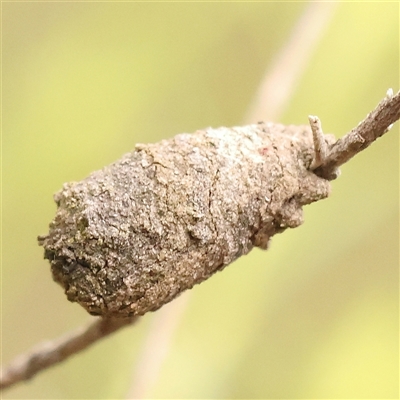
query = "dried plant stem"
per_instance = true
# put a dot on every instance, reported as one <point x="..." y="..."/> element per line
<point x="375" y="124"/>
<point x="47" y="354"/>
<point x="320" y="145"/>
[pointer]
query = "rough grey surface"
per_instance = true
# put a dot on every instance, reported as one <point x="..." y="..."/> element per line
<point x="130" y="237"/>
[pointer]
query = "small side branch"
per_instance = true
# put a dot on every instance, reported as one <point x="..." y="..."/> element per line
<point x="377" y="122"/>
<point x="46" y="354"/>
<point x="320" y="146"/>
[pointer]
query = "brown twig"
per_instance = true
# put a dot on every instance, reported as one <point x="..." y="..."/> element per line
<point x="49" y="353"/>
<point x="320" y="145"/>
<point x="375" y="124"/>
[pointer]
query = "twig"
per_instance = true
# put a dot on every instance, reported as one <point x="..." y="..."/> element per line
<point x="47" y="354"/>
<point x="376" y="123"/>
<point x="320" y="146"/>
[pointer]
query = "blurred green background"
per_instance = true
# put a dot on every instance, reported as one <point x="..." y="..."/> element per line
<point x="317" y="315"/>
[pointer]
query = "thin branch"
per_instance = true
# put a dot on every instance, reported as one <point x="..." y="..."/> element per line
<point x="376" y="123"/>
<point x="320" y="146"/>
<point x="47" y="354"/>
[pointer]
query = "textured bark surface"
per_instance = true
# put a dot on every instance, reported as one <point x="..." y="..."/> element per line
<point x="130" y="237"/>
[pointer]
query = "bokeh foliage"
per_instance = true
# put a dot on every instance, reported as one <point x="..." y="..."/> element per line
<point x="316" y="316"/>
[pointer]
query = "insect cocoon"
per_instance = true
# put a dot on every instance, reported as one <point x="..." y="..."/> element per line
<point x="132" y="236"/>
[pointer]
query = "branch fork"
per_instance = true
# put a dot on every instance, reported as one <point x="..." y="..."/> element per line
<point x="328" y="158"/>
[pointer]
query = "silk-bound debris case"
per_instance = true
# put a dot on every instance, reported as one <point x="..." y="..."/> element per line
<point x="132" y="236"/>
